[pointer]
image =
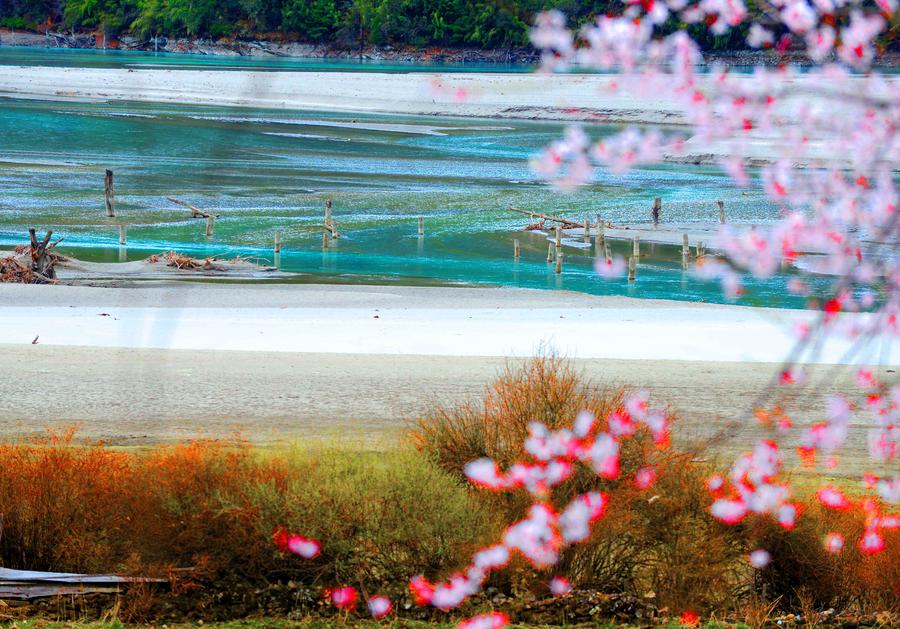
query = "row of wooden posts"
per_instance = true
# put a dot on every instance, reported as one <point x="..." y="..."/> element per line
<point x="554" y="250"/>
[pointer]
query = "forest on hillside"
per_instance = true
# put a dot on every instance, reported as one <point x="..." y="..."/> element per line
<point x="343" y="23"/>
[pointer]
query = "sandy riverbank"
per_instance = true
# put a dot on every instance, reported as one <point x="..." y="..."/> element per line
<point x="168" y="361"/>
<point x="401" y="320"/>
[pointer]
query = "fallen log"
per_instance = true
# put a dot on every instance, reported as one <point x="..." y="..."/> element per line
<point x="566" y="223"/>
<point x="195" y="211"/>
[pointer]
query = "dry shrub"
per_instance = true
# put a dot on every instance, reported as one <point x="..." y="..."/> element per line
<point x="213" y="507"/>
<point x="659" y="545"/>
<point x="547" y="389"/>
<point x="803" y="575"/>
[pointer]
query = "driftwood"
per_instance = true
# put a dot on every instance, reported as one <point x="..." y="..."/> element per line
<point x="33" y="263"/>
<point x="195" y="211"/>
<point x="566" y="223"/>
<point x="184" y="262"/>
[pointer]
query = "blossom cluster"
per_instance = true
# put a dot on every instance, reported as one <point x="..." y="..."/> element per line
<point x="552" y="456"/>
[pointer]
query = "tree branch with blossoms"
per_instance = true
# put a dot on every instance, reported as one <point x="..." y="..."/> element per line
<point x="835" y="149"/>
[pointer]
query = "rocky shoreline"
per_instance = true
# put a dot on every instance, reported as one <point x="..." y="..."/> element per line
<point x="398" y="54"/>
<point x="264" y="48"/>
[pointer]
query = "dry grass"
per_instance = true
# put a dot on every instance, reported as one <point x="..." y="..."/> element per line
<point x="382" y="517"/>
<point x="212" y="508"/>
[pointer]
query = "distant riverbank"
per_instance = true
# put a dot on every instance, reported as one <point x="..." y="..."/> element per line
<point x="268" y="48"/>
<point x="524" y="96"/>
<point x="227" y="47"/>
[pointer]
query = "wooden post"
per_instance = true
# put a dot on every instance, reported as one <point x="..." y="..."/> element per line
<point x="632" y="269"/>
<point x="549" y="253"/>
<point x="721" y="205"/>
<point x="110" y="199"/>
<point x="636" y="247"/>
<point x="122" y="234"/>
<point x="558" y="237"/>
<point x="327" y="212"/>
<point x="601" y="231"/>
<point x="657" y="206"/>
<point x="698" y="249"/>
<point x="606" y="253"/>
<point x="210" y="221"/>
<point x="559" y="257"/>
<point x="325" y="239"/>
<point x="277" y="242"/>
<point x="421" y="225"/>
<point x="517" y="251"/>
<point x="685" y="252"/>
<point x="587" y="230"/>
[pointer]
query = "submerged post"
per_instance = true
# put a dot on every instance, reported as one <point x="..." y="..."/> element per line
<point x="517" y="251"/>
<point x="327" y="212"/>
<point x="636" y="248"/>
<point x="632" y="269"/>
<point x="606" y="253"/>
<point x="210" y="222"/>
<point x="587" y="230"/>
<point x="559" y="257"/>
<point x="277" y="242"/>
<point x="421" y="225"/>
<point x="721" y="205"/>
<point x="110" y="199"/>
<point x="657" y="206"/>
<point x="325" y="239"/>
<point x="685" y="252"/>
<point x="122" y="234"/>
<point x="549" y="253"/>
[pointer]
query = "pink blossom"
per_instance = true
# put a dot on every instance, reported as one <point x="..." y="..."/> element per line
<point x="889" y="490"/>
<point x="834" y="543"/>
<point x="759" y="36"/>
<point x="379" y="606"/>
<point x="728" y="511"/>
<point x="611" y="268"/>
<point x="760" y="558"/>
<point x="645" y="477"/>
<point x="306" y="548"/>
<point x="484" y="472"/>
<point x="787" y="516"/>
<point x="575" y="520"/>
<point x="344" y="598"/>
<point x="493" y="620"/>
<point x="871" y="542"/>
<point x="833" y="498"/>
<point x="798" y="16"/>
<point x="715" y="482"/>
<point x="560" y="586"/>
<point x="604" y="455"/>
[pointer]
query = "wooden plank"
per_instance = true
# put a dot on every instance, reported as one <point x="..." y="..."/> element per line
<point x="8" y="575"/>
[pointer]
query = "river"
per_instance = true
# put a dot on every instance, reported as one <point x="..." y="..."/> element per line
<point x="264" y="171"/>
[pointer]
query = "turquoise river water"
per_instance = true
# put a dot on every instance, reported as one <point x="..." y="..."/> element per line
<point x="265" y="171"/>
